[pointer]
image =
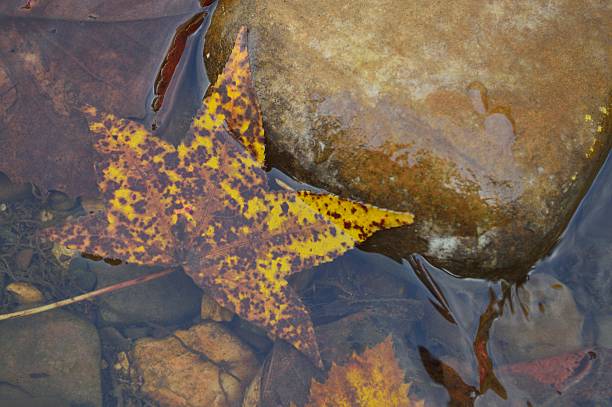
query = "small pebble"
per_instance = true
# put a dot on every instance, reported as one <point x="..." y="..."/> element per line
<point x="46" y="216"/>
<point x="59" y="201"/>
<point x="25" y="293"/>
<point x="23" y="259"/>
<point x="210" y="310"/>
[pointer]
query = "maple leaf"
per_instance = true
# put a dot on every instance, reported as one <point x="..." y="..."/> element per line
<point x="206" y="206"/>
<point x="371" y="379"/>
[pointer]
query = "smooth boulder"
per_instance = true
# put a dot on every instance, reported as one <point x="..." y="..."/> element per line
<point x="488" y="121"/>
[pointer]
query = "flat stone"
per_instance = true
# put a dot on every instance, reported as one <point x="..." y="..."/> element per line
<point x="24" y="258"/>
<point x="52" y="358"/>
<point x="176" y="371"/>
<point x="167" y="300"/>
<point x="539" y="321"/>
<point x="487" y="121"/>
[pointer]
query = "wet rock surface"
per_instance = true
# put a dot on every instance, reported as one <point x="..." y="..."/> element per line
<point x="202" y="366"/>
<point x="50" y="359"/>
<point x="488" y="121"/>
<point x="168" y="300"/>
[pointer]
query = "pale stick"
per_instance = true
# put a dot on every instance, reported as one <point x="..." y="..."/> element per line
<point x="87" y="296"/>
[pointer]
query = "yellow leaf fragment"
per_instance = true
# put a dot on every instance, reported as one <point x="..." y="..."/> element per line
<point x="372" y="379"/>
<point x="233" y="101"/>
<point x="355" y="218"/>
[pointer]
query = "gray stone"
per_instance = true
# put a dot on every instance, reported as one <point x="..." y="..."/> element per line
<point x="539" y="320"/>
<point x="486" y="120"/>
<point x="52" y="358"/>
<point x="604" y="331"/>
<point x="167" y="300"/>
<point x="80" y="273"/>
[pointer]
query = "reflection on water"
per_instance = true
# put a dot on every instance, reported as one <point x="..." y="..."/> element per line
<point x="544" y="341"/>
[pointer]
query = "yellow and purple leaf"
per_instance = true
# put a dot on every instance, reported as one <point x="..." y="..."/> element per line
<point x="205" y="206"/>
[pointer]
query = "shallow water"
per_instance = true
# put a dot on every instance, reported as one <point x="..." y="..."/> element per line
<point x="476" y="338"/>
<point x="546" y="340"/>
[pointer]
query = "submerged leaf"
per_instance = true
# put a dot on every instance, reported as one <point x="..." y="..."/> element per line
<point x="371" y="379"/>
<point x="233" y="101"/>
<point x="205" y="205"/>
<point x="355" y="218"/>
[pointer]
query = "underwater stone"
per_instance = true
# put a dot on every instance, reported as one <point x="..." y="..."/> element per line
<point x="175" y="373"/>
<point x="53" y="357"/>
<point x="169" y="300"/>
<point x="539" y="320"/>
<point x="488" y="121"/>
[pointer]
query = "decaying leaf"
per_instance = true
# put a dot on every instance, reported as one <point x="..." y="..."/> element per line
<point x="372" y="379"/>
<point x="233" y="101"/>
<point x="205" y="205"/>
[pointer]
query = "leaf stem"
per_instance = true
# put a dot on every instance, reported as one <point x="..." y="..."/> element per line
<point x="89" y="295"/>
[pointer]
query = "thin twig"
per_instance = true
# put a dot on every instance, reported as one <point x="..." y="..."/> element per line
<point x="89" y="295"/>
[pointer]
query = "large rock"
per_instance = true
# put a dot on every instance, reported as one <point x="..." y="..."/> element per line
<point x="50" y="359"/>
<point x="487" y="121"/>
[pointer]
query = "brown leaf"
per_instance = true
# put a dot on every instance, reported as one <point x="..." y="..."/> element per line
<point x="461" y="393"/>
<point x="286" y="377"/>
<point x="60" y="55"/>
